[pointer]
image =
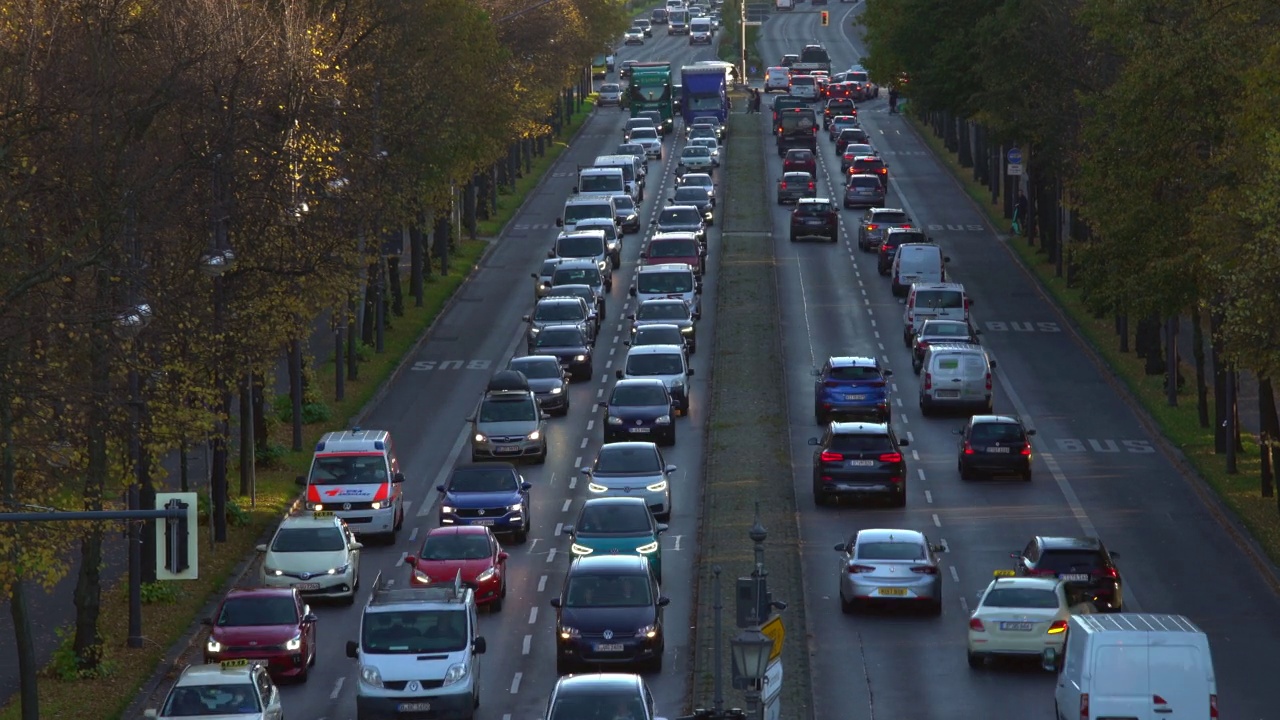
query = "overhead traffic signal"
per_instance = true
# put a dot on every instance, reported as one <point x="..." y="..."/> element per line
<point x="177" y="555"/>
<point x="826" y="18"/>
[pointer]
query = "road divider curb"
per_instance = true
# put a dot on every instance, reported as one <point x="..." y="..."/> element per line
<point x="748" y="459"/>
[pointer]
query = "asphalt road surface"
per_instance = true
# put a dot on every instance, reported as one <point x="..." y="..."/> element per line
<point x="1097" y="471"/>
<point x="426" y="409"/>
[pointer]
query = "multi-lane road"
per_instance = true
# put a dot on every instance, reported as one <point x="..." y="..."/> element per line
<point x="1097" y="470"/>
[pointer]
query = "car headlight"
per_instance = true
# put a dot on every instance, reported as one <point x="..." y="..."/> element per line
<point x="213" y="646"/>
<point x="579" y="358"/>
<point x="569" y="632"/>
<point x="534" y="330"/>
<point x="677" y="383"/>
<point x="456" y="673"/>
<point x="657" y="487"/>
<point x="339" y="570"/>
<point x="515" y="507"/>
<point x="580" y="549"/>
<point x="370" y="676"/>
<point x="448" y="509"/>
<point x="271" y="571"/>
<point x="648" y="549"/>
<point x="421" y="577"/>
<point x="663" y="420"/>
<point x="315" y="506"/>
<point x="294" y="643"/>
<point x="486" y="575"/>
<point x="557" y="390"/>
<point x="602" y="264"/>
<point x="480" y="438"/>
<point x="375" y="505"/>
<point x="615" y="420"/>
<point x="597" y="488"/>
<point x="686" y="330"/>
<point x="535" y="435"/>
<point x="648" y="631"/>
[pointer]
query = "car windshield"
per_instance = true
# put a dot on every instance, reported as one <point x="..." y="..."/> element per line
<point x="318" y="539"/>
<point x="414" y="631"/>
<point x="537" y="369"/>
<point x="862" y="443"/>
<point x="1069" y="561"/>
<point x="697" y="180"/>
<point x="630" y="149"/>
<point x="695" y="151"/>
<point x="576" y="276"/>
<point x="349" y="469"/>
<point x="548" y="267"/>
<point x="559" y="337"/>
<point x="493" y="410"/>
<point x="1021" y="598"/>
<point x="624" y="204"/>
<point x="692" y="196"/>
<point x="854" y="373"/>
<point x="600" y="183"/>
<point x="614" y="519"/>
<point x="222" y="699"/>
<point x="470" y="546"/>
<point x="627" y="459"/>
<point x="256" y="611"/>
<point x="939" y="299"/>
<point x="672" y="249"/>
<point x="480" y="479"/>
<point x="638" y="396"/>
<point x="644" y="133"/>
<point x="610" y="88"/>
<point x="647" y="365"/>
<point x="574" y="213"/>
<point x="679" y="216"/>
<point x="593" y="591"/>
<point x="662" y="311"/>
<point x="945" y="329"/>
<point x="665" y="282"/>
<point x="890" y="551"/>
<point x="558" y="311"/>
<point x="650" y="335"/>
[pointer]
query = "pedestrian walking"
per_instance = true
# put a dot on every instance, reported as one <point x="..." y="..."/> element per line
<point x="893" y="99"/>
<point x="1020" y="214"/>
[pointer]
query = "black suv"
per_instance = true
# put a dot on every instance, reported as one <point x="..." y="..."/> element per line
<point x="859" y="459"/>
<point x="815" y="218"/>
<point x="994" y="444"/>
<point x="609" y="612"/>
<point x="835" y="107"/>
<point x="569" y="345"/>
<point x="1084" y="564"/>
<point x="796" y="128"/>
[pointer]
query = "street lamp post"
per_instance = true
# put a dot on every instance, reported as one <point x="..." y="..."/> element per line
<point x="751" y="649"/>
<point x="128" y="325"/>
<point x="215" y="264"/>
<point x="758" y="535"/>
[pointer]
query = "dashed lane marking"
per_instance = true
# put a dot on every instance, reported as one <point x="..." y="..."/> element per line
<point x="954" y="575"/>
<point x="515" y="683"/>
<point x="533" y="614"/>
<point x="527" y="645"/>
<point x="551" y="554"/>
<point x="337" y="688"/>
<point x="928" y="497"/>
<point x="936" y="522"/>
<point x="567" y="505"/>
<point x="542" y="583"/>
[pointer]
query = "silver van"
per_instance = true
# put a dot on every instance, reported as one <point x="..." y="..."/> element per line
<point x="917" y="263"/>
<point x="956" y="376"/>
<point x="633" y="172"/>
<point x="933" y="301"/>
<point x="669" y="280"/>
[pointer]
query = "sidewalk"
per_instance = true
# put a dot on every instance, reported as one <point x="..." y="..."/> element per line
<point x="1246" y="393"/>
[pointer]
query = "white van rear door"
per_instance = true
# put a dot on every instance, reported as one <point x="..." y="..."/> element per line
<point x="975" y="377"/>
<point x="1179" y="682"/>
<point x="1119" y="686"/>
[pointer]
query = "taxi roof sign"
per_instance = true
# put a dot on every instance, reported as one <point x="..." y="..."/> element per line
<point x="234" y="664"/>
<point x="1004" y="573"/>
<point x="323" y="514"/>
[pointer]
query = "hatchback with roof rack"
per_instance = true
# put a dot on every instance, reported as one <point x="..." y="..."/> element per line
<point x="508" y="422"/>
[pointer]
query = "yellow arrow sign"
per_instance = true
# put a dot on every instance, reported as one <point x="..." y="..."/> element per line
<point x="777" y="633"/>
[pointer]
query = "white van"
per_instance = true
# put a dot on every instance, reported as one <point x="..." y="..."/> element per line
<point x="933" y="301"/>
<point x="667" y="363"/>
<point x="668" y="280"/>
<point x="596" y="182"/>
<point x="956" y="375"/>
<point x="700" y="31"/>
<point x="355" y="474"/>
<point x="777" y="78"/>
<point x="577" y="209"/>
<point x="1134" y="666"/>
<point x="633" y="172"/>
<point x="917" y="263"/>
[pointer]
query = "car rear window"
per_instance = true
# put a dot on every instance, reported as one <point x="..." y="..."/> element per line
<point x="854" y="373"/>
<point x="1067" y="560"/>
<point x="869" y="164"/>
<point x="861" y="443"/>
<point x="808" y="80"/>
<point x="890" y="551"/>
<point x="813" y="209"/>
<point x="864" y="182"/>
<point x="890" y="218"/>
<point x="1021" y="598"/>
<point x="996" y="432"/>
<point x="799" y="156"/>
<point x="566" y="311"/>
<point x="940" y="299"/>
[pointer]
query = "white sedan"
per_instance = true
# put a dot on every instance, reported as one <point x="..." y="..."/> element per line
<point x="711" y="144"/>
<point x="650" y="139"/>
<point x="695" y="158"/>
<point x="1021" y="616"/>
<point x="316" y="554"/>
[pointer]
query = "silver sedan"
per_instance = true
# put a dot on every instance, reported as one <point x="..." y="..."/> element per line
<point x="891" y="567"/>
<point x="632" y="469"/>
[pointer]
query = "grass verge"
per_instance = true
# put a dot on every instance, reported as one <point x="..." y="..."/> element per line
<point x="748" y="460"/>
<point x="509" y="202"/>
<point x="1180" y="425"/>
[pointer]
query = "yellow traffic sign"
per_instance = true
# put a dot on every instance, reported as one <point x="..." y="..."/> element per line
<point x="777" y="633"/>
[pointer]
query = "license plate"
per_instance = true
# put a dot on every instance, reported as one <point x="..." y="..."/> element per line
<point x="1004" y="450"/>
<point x="608" y="647"/>
<point x="506" y="450"/>
<point x="894" y="592"/>
<point x="1019" y="626"/>
<point x="948" y="393"/>
<point x="1074" y="577"/>
<point x="640" y="430"/>
<point x="855" y="397"/>
<point x="307" y="586"/>
<point x="414" y="707"/>
<point x="862" y="463"/>
<point x="812" y="221"/>
<point x="486" y="521"/>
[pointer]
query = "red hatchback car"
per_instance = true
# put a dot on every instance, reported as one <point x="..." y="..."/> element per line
<point x="471" y="549"/>
<point x="800" y="160"/>
<point x="674" y="248"/>
<point x="269" y="624"/>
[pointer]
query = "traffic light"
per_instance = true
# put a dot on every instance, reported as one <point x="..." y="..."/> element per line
<point x="826" y="18"/>
<point x="176" y="551"/>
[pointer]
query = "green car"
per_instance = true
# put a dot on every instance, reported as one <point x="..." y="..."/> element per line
<point x="618" y="526"/>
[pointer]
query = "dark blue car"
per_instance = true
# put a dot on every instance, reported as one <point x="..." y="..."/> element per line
<point x="493" y="494"/>
<point x="609" y="612"/>
<point x="639" y="409"/>
<point x="851" y="388"/>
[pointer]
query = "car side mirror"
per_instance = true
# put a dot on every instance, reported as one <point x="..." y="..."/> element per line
<point x="617" y="374"/>
<point x="410" y="560"/>
<point x="689" y="372"/>
<point x="551" y="254"/>
<point x="559" y="222"/>
<point x="814" y="441"/>
<point x="526" y="487"/>
<point x="626" y="343"/>
<point x="300" y="480"/>
<point x="644" y="255"/>
<point x="1030" y="433"/>
<point x="631" y="317"/>
<point x="946" y="259"/>
<point x="993" y="364"/>
<point x="670" y="468"/>
<point x="555" y="603"/>
<point x="1018" y="556"/>
<point x="357" y="546"/>
<point x="575" y="189"/>
<point x="471" y="418"/>
<point x="696" y="315"/>
<point x="353" y="650"/>
<point x="632" y="292"/>
<point x="261" y="548"/>
<point x="478" y="646"/>
<point x="585" y="470"/>
<point x="567" y="530"/>
<point x="903" y="442"/>
<point x="502" y="556"/>
<point x="207" y="621"/>
<point x="397" y="478"/>
<point x="888" y="373"/>
<point x="440" y="489"/>
<point x="1115" y="554"/>
<point x="840" y="547"/>
<point x="958" y="432"/>
<point x="664" y="601"/>
<point x="697" y="289"/>
<point x="533" y="275"/>
<point x="310" y="618"/>
<point x="663" y="527"/>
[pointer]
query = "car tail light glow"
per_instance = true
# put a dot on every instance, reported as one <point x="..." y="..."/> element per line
<point x="968" y="450"/>
<point x="906" y="226"/>
<point x="976" y="625"/>
<point x="832" y="384"/>
<point x="1058" y="627"/>
<point x="1213" y="707"/>
<point x="922" y="344"/>
<point x="988" y="382"/>
<point x="872" y="226"/>
<point x="892" y="457"/>
<point x="925" y="570"/>
<point x="811" y="186"/>
<point x="1026" y="450"/>
<point x="928" y="381"/>
<point x="1109" y="573"/>
<point x="828" y="456"/>
<point x="856" y="568"/>
<point x="784" y="185"/>
<point x="1084" y="706"/>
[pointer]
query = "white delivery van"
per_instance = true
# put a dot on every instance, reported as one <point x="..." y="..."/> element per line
<point x="1134" y="666"/>
<point x="956" y="375"/>
<point x="917" y="263"/>
<point x="603" y="182"/>
<point x="633" y="172"/>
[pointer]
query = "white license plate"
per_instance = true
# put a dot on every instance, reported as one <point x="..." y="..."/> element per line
<point x="1004" y="450"/>
<point x="855" y="397"/>
<point x="640" y="429"/>
<point x="1074" y="577"/>
<point x="1018" y="626"/>
<point x="414" y="707"/>
<point x="608" y="647"/>
<point x="307" y="586"/>
<point x="485" y="521"/>
<point x="947" y="393"/>
<point x="862" y="463"/>
<point x="506" y="450"/>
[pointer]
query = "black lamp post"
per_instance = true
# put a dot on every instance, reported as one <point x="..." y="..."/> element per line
<point x="751" y="649"/>
<point x="215" y="264"/>
<point x="127" y="326"/>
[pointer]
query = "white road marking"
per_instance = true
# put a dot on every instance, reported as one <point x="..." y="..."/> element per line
<point x="920" y="472"/>
<point x="584" y="443"/>
<point x="533" y="614"/>
<point x="559" y="529"/>
<point x="445" y="469"/>
<point x="909" y="438"/>
<point x="542" y="583"/>
<point x="600" y="393"/>
<point x="526" y="645"/>
<point x="400" y="562"/>
<point x="954" y="575"/>
<point x="899" y="401"/>
<point x="904" y="422"/>
<point x="915" y="454"/>
<point x="567" y="505"/>
<point x="337" y="688"/>
<point x="928" y="497"/>
<point x="413" y="534"/>
<point x="608" y="364"/>
<point x="577" y="462"/>
<point x="936" y="521"/>
<point x="531" y="544"/>
<point x="515" y="683"/>
<point x="551" y="554"/>
<point x="573" y="482"/>
<point x="591" y="424"/>
<point x="873" y="324"/>
<point x="964" y="604"/>
<point x="678" y="537"/>
<point x="613" y="350"/>
<point x="877" y="334"/>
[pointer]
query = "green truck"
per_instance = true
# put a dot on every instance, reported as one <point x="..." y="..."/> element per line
<point x="651" y="90"/>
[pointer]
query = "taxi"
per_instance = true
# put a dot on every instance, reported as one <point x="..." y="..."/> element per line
<point x="230" y="689"/>
<point x="315" y="554"/>
<point x="1021" y="616"/>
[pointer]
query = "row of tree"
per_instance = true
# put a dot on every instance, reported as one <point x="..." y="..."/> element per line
<point x="140" y="141"/>
<point x="1151" y="153"/>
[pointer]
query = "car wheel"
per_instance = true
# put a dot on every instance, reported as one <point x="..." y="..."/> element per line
<point x="519" y="537"/>
<point x="906" y="339"/>
<point x="819" y="495"/>
<point x="976" y="661"/>
<point x="964" y="472"/>
<point x="1026" y="475"/>
<point x="615" y="262"/>
<point x="541" y="457"/>
<point x="587" y="374"/>
<point x="935" y="607"/>
<point x="793" y="238"/>
<point x="475" y="458"/>
<point x="301" y="677"/>
<point x="693" y="347"/>
<point x="899" y="500"/>
<point x="495" y="606"/>
<point x="926" y="408"/>
<point x="820" y="417"/>
<point x="848" y="607"/>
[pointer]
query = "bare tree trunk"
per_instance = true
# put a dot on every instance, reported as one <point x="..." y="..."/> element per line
<point x="87" y="642"/>
<point x="1269" y="431"/>
<point x="1219" y="383"/>
<point x="1172" y="376"/>
<point x="1197" y="352"/>
<point x="23" y="638"/>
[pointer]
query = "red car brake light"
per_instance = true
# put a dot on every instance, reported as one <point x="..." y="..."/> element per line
<point x="1105" y="572"/>
<point x="784" y="184"/>
<point x="892" y="457"/>
<point x="872" y="226"/>
<point x="976" y="625"/>
<point x="811" y="186"/>
<point x="828" y="456"/>
<point x="925" y="569"/>
<point x="968" y="450"/>
<point x="855" y="568"/>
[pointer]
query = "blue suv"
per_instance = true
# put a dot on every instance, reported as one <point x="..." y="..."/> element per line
<point x="493" y="494"/>
<point x="853" y="388"/>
